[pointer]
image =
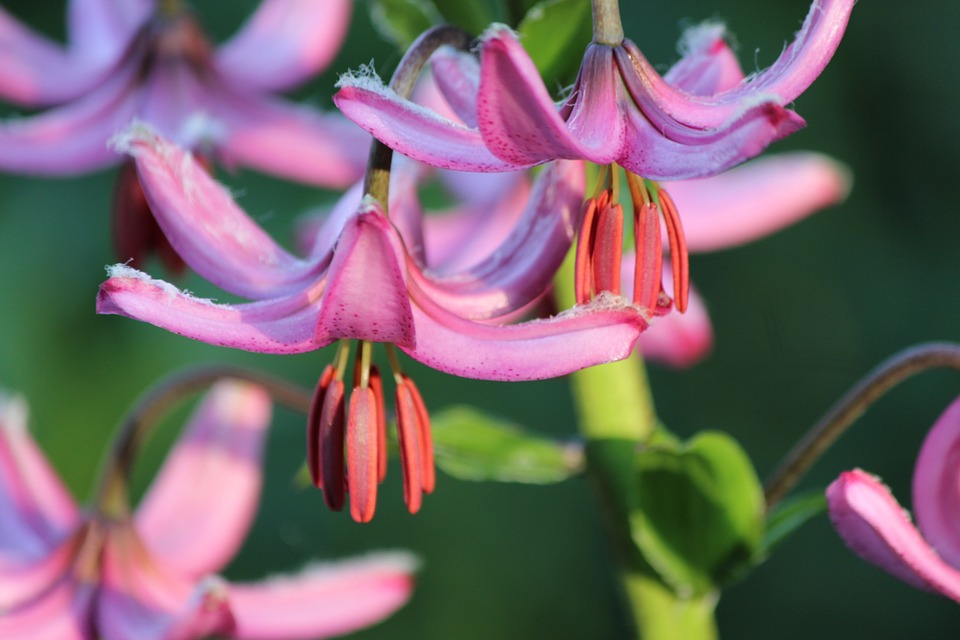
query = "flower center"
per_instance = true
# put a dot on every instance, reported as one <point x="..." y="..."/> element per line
<point x="600" y="246"/>
<point x="347" y="445"/>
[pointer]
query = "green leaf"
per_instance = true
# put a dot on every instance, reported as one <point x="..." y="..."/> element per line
<point x="556" y="34"/>
<point x="401" y="21"/>
<point x="472" y="445"/>
<point x="790" y="515"/>
<point x="473" y="15"/>
<point x="698" y="512"/>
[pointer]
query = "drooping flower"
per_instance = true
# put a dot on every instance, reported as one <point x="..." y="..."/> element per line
<point x="870" y="521"/>
<point x="363" y="282"/>
<point x="149" y="60"/>
<point x="700" y="119"/>
<point x="66" y="574"/>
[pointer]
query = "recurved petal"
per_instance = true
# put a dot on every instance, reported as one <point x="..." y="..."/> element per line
<point x="414" y="130"/>
<point x="323" y="600"/>
<point x="100" y="31"/>
<point x="758" y="198"/>
<point x="284" y="43"/>
<point x="199" y="508"/>
<point x="602" y="331"/>
<point x="520" y="122"/>
<point x="522" y="268"/>
<point x="936" y="486"/>
<point x="38" y="511"/>
<point x="291" y="141"/>
<point x="366" y="295"/>
<point x="708" y="65"/>
<point x="281" y="325"/>
<point x="457" y="74"/>
<point x="206" y="227"/>
<point x="878" y="530"/>
<point x="679" y="340"/>
<point x="64" y="612"/>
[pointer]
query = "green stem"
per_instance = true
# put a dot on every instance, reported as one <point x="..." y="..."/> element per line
<point x="616" y="415"/>
<point x="607" y="28"/>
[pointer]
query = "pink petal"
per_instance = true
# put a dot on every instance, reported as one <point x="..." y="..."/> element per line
<point x="521" y="124"/>
<point x="522" y="268"/>
<point x="141" y="599"/>
<point x="936" y="490"/>
<point x="281" y="325"/>
<point x="708" y="65"/>
<point x="73" y="138"/>
<point x="602" y="331"/>
<point x="457" y="76"/>
<point x="38" y="512"/>
<point x="26" y="581"/>
<point x="206" y="227"/>
<point x="679" y="340"/>
<point x="290" y="141"/>
<point x="200" y="506"/>
<point x="757" y="199"/>
<point x="284" y="43"/>
<point x="366" y="295"/>
<point x="878" y="529"/>
<point x="100" y="31"/>
<point x="323" y="600"/>
<point x="62" y="613"/>
<point x="413" y="130"/>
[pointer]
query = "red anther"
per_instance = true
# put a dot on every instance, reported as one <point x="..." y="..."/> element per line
<point x="376" y="385"/>
<point x="583" y="268"/>
<point x="429" y="475"/>
<point x="362" y="459"/>
<point x="608" y="248"/>
<point x="408" y="433"/>
<point x="314" y="463"/>
<point x="136" y="233"/>
<point x="331" y="445"/>
<point x="680" y="259"/>
<point x="648" y="268"/>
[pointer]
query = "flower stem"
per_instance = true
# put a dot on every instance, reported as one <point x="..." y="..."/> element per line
<point x="376" y="182"/>
<point x="607" y="28"/>
<point x="871" y="388"/>
<point x="110" y="498"/>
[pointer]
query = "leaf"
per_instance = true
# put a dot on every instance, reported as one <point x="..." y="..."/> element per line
<point x="401" y="21"/>
<point x="472" y="445"/>
<point x="556" y="34"/>
<point x="790" y="515"/>
<point x="698" y="512"/>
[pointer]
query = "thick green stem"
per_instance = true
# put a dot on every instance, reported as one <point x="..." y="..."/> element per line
<point x="607" y="28"/>
<point x="616" y="415"/>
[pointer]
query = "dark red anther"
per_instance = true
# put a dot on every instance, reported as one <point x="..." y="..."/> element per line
<point x="362" y="457"/>
<point x="429" y="475"/>
<point x="648" y="269"/>
<point x="679" y="258"/>
<point x="376" y="385"/>
<point x="136" y="233"/>
<point x="331" y="445"/>
<point x="314" y="463"/>
<point x="608" y="249"/>
<point x="408" y="433"/>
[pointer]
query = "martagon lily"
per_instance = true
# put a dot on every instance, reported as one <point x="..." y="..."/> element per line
<point x="149" y="59"/>
<point x="870" y="521"/>
<point x="700" y="119"/>
<point x="104" y="573"/>
<point x="361" y="282"/>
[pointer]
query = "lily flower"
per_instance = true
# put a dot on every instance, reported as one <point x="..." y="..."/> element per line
<point x="67" y="574"/>
<point x="701" y="118"/>
<point x="149" y="60"/>
<point x="362" y="282"/>
<point x="876" y="528"/>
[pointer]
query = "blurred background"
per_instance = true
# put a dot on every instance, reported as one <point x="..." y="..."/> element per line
<point x="799" y="317"/>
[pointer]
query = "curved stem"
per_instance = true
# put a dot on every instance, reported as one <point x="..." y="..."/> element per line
<point x="376" y="182"/>
<point x="872" y="387"/>
<point x="110" y="498"/>
<point x="607" y="28"/>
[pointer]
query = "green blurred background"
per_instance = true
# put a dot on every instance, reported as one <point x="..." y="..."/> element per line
<point x="798" y="318"/>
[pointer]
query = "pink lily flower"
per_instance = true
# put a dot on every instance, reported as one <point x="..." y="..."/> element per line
<point x="67" y="574"/>
<point x="149" y="60"/>
<point x="363" y="282"/>
<point x="879" y="530"/>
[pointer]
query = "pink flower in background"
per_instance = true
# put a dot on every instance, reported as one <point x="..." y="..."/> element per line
<point x="149" y="60"/>
<point x="363" y="282"/>
<point x="878" y="529"/>
<point x="72" y="575"/>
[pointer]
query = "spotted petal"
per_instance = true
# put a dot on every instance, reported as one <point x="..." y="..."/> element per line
<point x="936" y="486"/>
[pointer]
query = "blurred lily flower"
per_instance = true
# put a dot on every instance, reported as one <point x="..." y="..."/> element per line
<point x="878" y="529"/>
<point x="149" y="60"/>
<point x="362" y="282"/>
<point x="72" y="575"/>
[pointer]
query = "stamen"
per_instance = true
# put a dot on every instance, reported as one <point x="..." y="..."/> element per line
<point x="314" y="463"/>
<point x="608" y="249"/>
<point x="376" y="386"/>
<point x="583" y="267"/>
<point x="648" y="268"/>
<point x="429" y="475"/>
<point x="408" y="433"/>
<point x="362" y="461"/>
<point x="680" y="259"/>
<point x="331" y="445"/>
